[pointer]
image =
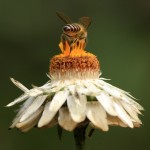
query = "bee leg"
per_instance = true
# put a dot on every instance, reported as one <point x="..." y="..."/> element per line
<point x="78" y="44"/>
<point x="63" y="41"/>
<point x="85" y="43"/>
<point x="64" y="45"/>
<point x="74" y="43"/>
<point x="71" y="46"/>
<point x="82" y="43"/>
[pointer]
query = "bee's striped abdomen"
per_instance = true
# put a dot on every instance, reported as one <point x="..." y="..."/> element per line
<point x="71" y="28"/>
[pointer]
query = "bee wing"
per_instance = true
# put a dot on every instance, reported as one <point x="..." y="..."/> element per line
<point x="85" y="21"/>
<point x="63" y="17"/>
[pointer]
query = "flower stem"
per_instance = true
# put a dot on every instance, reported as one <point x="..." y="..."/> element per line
<point x="79" y="137"/>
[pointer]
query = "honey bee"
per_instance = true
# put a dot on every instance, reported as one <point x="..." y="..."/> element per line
<point x="73" y="33"/>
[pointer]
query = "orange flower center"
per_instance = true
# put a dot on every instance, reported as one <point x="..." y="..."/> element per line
<point x="74" y="63"/>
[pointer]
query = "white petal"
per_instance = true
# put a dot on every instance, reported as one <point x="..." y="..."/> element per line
<point x="18" y="100"/>
<point x="136" y="124"/>
<point x="131" y="111"/>
<point x="112" y="90"/>
<point x="82" y="89"/>
<point x="122" y="114"/>
<point x="58" y="100"/>
<point x="85" y="91"/>
<point x="52" y="107"/>
<point x="30" y="122"/>
<point x="115" y="121"/>
<point x="53" y="87"/>
<point x="47" y="116"/>
<point x="102" y="83"/>
<point x="136" y="109"/>
<point x="91" y="87"/>
<point x="97" y="115"/>
<point x="53" y="122"/>
<point x="134" y="103"/>
<point x="116" y="88"/>
<point x="109" y="89"/>
<point x="19" y="85"/>
<point x="118" y="93"/>
<point x="26" y="104"/>
<point x="65" y="120"/>
<point x="33" y="107"/>
<point x="107" y="102"/>
<point x="77" y="107"/>
<point x="35" y="92"/>
<point x="72" y="89"/>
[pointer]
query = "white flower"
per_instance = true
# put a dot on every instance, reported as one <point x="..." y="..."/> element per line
<point x="75" y="96"/>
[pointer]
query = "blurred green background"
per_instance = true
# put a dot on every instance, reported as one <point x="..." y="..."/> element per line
<point x="119" y="36"/>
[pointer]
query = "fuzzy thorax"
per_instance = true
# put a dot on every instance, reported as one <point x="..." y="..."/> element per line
<point x="74" y="63"/>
